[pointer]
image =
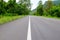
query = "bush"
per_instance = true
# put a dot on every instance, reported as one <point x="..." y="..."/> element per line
<point x="55" y="11"/>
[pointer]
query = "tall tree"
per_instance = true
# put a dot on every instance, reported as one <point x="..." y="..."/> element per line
<point x="27" y="2"/>
<point x="40" y="8"/>
<point x="49" y="4"/>
<point x="2" y="7"/>
<point x="11" y="6"/>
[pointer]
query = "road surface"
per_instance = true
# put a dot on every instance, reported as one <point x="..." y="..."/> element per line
<point x="45" y="28"/>
<point x="40" y="29"/>
<point x="16" y="30"/>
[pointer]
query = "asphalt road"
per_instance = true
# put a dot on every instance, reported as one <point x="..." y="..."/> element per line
<point x="16" y="30"/>
<point x="41" y="29"/>
<point x="45" y="28"/>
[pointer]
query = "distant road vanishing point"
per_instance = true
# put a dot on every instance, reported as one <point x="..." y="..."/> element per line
<point x="31" y="28"/>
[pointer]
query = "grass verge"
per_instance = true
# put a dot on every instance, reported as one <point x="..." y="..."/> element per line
<point x="58" y="18"/>
<point x="5" y="19"/>
<point x="49" y="17"/>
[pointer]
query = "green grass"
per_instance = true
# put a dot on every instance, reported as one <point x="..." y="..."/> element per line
<point x="49" y="17"/>
<point x="5" y="19"/>
<point x="52" y="17"/>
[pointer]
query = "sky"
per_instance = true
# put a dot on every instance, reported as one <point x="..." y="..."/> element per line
<point x="34" y="3"/>
<point x="7" y="0"/>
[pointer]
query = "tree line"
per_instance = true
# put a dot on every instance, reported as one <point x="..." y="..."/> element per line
<point x="49" y="9"/>
<point x="13" y="8"/>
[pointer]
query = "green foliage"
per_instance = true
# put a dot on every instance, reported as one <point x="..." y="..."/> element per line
<point x="2" y="7"/>
<point x="48" y="10"/>
<point x="14" y="8"/>
<point x="55" y="11"/>
<point x="5" y="19"/>
<point x="40" y="8"/>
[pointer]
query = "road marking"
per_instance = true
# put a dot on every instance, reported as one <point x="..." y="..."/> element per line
<point x="29" y="30"/>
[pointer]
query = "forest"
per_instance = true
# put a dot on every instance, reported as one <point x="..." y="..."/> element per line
<point x="12" y="10"/>
<point x="48" y="9"/>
